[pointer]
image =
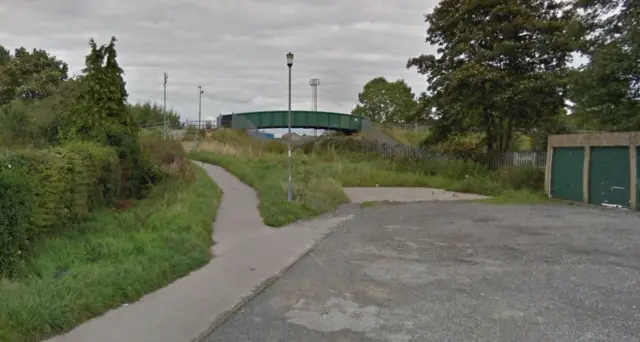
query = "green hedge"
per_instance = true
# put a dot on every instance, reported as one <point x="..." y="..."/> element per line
<point x="45" y="191"/>
<point x="16" y="207"/>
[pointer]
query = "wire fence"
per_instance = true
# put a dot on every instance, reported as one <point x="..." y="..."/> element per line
<point x="415" y="127"/>
<point x="533" y="158"/>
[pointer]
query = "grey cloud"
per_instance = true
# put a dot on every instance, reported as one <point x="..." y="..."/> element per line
<point x="234" y="48"/>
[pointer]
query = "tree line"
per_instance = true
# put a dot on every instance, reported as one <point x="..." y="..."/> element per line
<point x="41" y="105"/>
<point x="504" y="68"/>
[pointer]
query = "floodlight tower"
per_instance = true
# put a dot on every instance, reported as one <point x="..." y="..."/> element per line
<point x="314" y="83"/>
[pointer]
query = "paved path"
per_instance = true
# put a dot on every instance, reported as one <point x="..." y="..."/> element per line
<point x="246" y="255"/>
<point x="457" y="271"/>
<point x="360" y="195"/>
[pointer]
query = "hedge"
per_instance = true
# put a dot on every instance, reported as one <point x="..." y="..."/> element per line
<point x="46" y="191"/>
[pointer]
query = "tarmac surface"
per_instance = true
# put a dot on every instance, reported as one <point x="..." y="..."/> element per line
<point x="457" y="271"/>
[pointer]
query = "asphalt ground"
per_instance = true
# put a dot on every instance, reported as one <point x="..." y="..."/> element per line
<point x="458" y="271"/>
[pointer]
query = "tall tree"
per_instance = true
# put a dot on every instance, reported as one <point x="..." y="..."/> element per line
<point x="101" y="108"/>
<point x="384" y="101"/>
<point x="29" y="75"/>
<point x="5" y="56"/>
<point x="501" y="67"/>
<point x="607" y="90"/>
<point x="150" y="113"/>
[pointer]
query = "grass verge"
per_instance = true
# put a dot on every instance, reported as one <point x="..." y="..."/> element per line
<point x="320" y="170"/>
<point x="314" y="193"/>
<point x="518" y="197"/>
<point x="112" y="259"/>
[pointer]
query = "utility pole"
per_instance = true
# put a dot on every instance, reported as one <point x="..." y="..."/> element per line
<point x="200" y="92"/>
<point x="164" y="108"/>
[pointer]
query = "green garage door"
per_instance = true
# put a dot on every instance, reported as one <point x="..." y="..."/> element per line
<point x="566" y="173"/>
<point x="638" y="177"/>
<point x="609" y="176"/>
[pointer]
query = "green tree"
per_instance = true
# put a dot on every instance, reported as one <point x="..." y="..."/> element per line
<point x="101" y="111"/>
<point x="607" y="90"/>
<point x="501" y="67"/>
<point x="145" y="114"/>
<point x="384" y="101"/>
<point x="5" y="56"/>
<point x="29" y="75"/>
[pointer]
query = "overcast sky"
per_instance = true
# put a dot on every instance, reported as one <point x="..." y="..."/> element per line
<point x="235" y="49"/>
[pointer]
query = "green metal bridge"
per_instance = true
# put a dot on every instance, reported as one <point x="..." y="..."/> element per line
<point x="346" y="123"/>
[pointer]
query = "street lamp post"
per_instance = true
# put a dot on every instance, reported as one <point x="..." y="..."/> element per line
<point x="289" y="185"/>
<point x="200" y="91"/>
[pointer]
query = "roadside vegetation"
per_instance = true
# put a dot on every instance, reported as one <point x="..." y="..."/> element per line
<point x="500" y="100"/>
<point x="321" y="169"/>
<point x="402" y="135"/>
<point x="94" y="212"/>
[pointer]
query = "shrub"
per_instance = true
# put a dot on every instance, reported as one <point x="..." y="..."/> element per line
<point x="272" y="146"/>
<point x="191" y="133"/>
<point x="46" y="191"/>
<point x="104" y="171"/>
<point x="59" y="177"/>
<point x="337" y="144"/>
<point x="453" y="169"/>
<point x="138" y="171"/>
<point x="16" y="207"/>
<point x="522" y="177"/>
<point x="167" y="157"/>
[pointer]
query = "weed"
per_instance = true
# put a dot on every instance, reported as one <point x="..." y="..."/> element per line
<point x="111" y="259"/>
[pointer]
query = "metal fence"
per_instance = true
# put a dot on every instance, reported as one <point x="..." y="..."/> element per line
<point x="204" y="124"/>
<point x="410" y="127"/>
<point x="536" y="159"/>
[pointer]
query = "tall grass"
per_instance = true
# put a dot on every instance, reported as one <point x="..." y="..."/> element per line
<point x="404" y="136"/>
<point x="314" y="194"/>
<point x="319" y="174"/>
<point x="111" y="259"/>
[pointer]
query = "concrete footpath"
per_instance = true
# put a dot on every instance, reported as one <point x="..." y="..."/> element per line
<point x="379" y="194"/>
<point x="247" y="255"/>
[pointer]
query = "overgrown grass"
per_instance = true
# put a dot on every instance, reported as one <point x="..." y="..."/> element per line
<point x="518" y="197"/>
<point x="113" y="258"/>
<point x="404" y="136"/>
<point x="314" y="194"/>
<point x="319" y="175"/>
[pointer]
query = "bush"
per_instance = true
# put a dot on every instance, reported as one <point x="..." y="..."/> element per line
<point x="192" y="133"/>
<point x="113" y="259"/>
<point x="16" y="207"/>
<point x="453" y="169"/>
<point x="59" y="178"/>
<point x="166" y="155"/>
<point x="103" y="168"/>
<point x="522" y="177"/>
<point x="336" y="144"/>
<point x="138" y="171"/>
<point x="46" y="191"/>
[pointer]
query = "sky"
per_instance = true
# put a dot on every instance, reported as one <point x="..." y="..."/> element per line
<point x="235" y="49"/>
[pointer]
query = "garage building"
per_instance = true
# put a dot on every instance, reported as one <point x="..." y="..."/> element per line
<point x="595" y="168"/>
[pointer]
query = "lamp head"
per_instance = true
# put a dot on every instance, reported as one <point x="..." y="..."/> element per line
<point x="289" y="59"/>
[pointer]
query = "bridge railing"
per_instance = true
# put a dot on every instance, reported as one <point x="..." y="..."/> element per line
<point x="240" y="122"/>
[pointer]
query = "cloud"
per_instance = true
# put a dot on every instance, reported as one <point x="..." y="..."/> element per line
<point x="235" y="49"/>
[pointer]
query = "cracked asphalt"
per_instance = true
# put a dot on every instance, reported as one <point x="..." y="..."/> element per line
<point x="458" y="271"/>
